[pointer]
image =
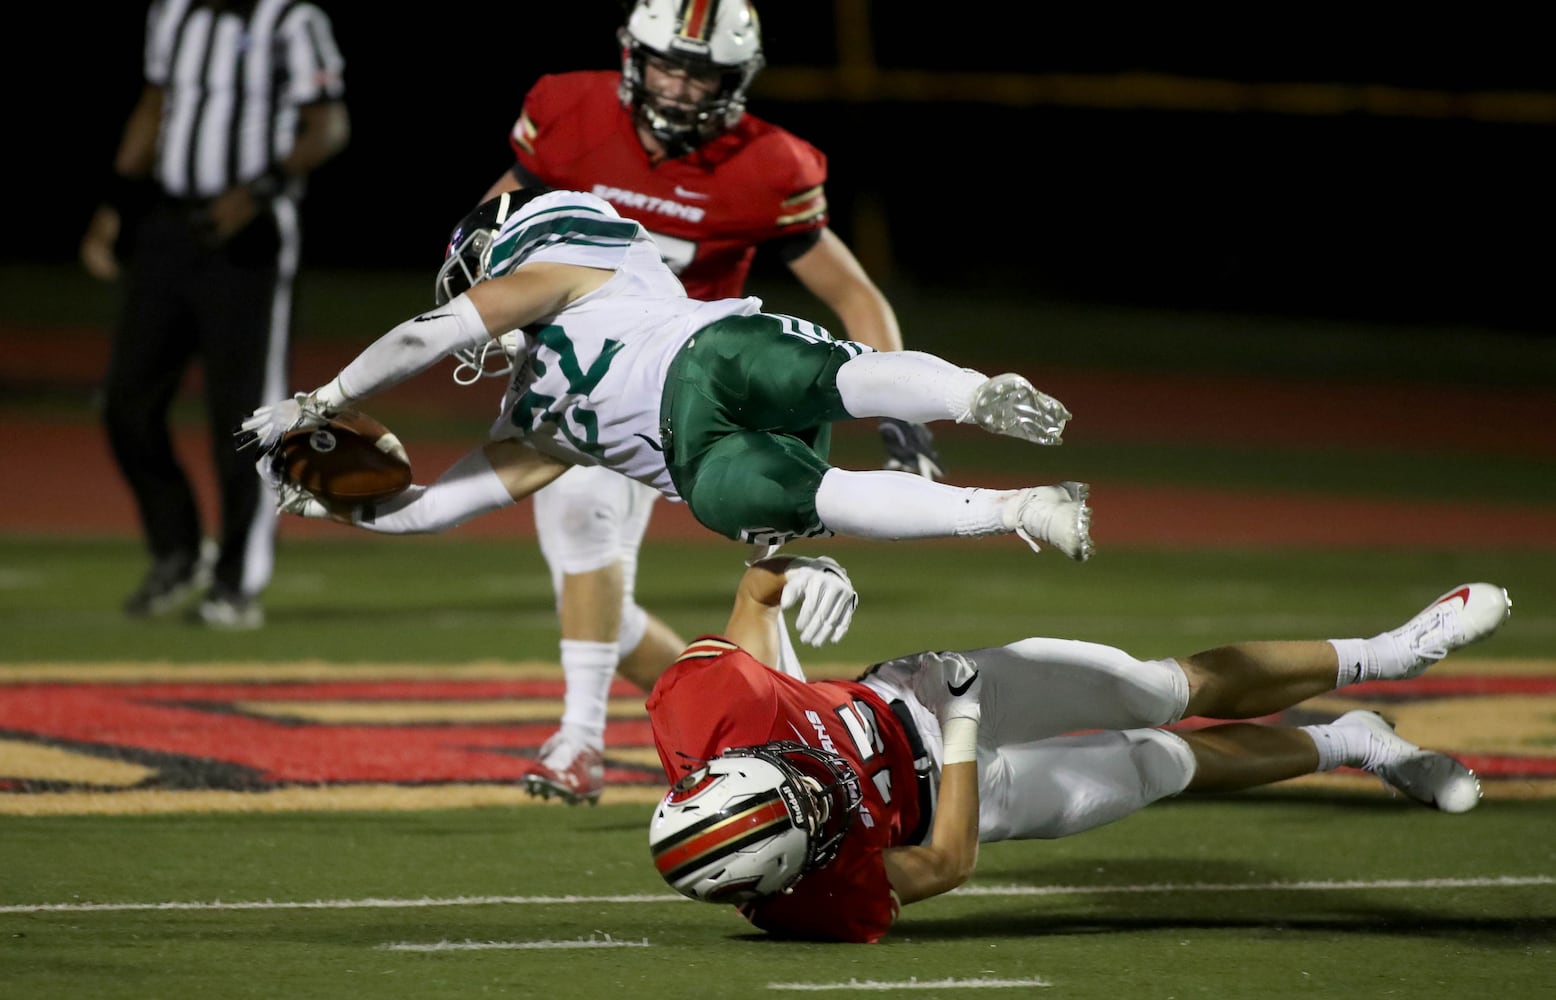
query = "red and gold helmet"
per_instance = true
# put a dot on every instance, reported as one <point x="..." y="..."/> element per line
<point x="716" y="39"/>
<point x="753" y="821"/>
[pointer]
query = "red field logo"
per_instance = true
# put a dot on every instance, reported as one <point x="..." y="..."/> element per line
<point x="85" y="740"/>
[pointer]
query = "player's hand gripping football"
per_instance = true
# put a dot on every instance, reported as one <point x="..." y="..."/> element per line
<point x="949" y="685"/>
<point x="826" y="597"/>
<point x="910" y="447"/>
<point x="270" y="423"/>
<point x="290" y="498"/>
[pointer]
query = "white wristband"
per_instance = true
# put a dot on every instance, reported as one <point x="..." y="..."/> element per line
<point x="959" y="737"/>
<point x="330" y="397"/>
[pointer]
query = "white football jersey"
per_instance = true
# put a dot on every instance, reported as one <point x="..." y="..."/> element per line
<point x="587" y="381"/>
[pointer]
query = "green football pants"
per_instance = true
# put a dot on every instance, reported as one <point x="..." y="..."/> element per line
<point x="746" y="424"/>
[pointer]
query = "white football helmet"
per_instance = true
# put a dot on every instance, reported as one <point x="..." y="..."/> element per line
<point x="701" y="38"/>
<point x="465" y="264"/>
<point x="752" y="821"/>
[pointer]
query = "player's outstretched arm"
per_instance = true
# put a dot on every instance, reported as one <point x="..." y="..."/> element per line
<point x="489" y="478"/>
<point x="950" y="685"/>
<point x="407" y="350"/>
<point x="489" y="309"/>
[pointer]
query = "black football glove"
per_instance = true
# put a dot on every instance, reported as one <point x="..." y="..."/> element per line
<point x="910" y="447"/>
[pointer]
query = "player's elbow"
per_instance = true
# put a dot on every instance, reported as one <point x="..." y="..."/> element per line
<point x="952" y="869"/>
<point x="961" y="868"/>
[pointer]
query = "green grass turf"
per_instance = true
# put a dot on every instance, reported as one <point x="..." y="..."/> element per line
<point x="444" y="600"/>
<point x="1117" y="931"/>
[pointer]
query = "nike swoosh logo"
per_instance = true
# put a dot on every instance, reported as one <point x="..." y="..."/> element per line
<point x="958" y="691"/>
<point x="424" y="319"/>
<point x="1463" y="594"/>
<point x="681" y="192"/>
<point x="651" y="442"/>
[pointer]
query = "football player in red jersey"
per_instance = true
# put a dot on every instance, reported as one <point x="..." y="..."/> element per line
<point x="820" y="808"/>
<point x="668" y="142"/>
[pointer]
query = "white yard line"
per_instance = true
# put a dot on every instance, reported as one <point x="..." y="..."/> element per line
<point x="343" y="904"/>
<point x="877" y="986"/>
<point x="1491" y="882"/>
<point x="600" y="942"/>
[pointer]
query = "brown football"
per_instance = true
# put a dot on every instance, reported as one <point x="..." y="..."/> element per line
<point x="352" y="459"/>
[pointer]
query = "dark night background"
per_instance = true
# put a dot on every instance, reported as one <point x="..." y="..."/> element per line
<point x="1411" y="219"/>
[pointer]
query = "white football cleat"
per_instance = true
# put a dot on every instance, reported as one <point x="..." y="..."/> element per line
<point x="1431" y="778"/>
<point x="1009" y="405"/>
<point x="1057" y="515"/>
<point x="1467" y="613"/>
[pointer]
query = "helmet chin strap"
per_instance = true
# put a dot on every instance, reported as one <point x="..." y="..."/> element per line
<point x="675" y="141"/>
<point x="823" y="802"/>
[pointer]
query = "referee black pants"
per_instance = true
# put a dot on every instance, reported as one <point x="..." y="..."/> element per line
<point x="228" y="311"/>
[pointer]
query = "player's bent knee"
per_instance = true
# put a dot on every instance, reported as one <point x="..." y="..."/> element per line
<point x="1066" y="785"/>
<point x="581" y="526"/>
<point x="1158" y="694"/>
<point x="1164" y="762"/>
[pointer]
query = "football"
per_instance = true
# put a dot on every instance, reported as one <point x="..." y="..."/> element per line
<point x="352" y="459"/>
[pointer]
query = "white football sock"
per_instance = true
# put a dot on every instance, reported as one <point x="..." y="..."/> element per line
<point x="1357" y="662"/>
<point x="907" y="385"/>
<point x="1384" y="657"/>
<point x="898" y="505"/>
<point x="1333" y="748"/>
<point x="588" y="668"/>
<point x="1347" y="743"/>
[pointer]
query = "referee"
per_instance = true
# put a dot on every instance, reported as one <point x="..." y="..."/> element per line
<point x="242" y="100"/>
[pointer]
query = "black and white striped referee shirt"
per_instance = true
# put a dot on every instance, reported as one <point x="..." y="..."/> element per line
<point x="233" y="76"/>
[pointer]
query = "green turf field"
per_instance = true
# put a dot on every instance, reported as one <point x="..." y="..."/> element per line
<point x="1264" y="897"/>
<point x="1296" y="891"/>
<point x="1289" y="892"/>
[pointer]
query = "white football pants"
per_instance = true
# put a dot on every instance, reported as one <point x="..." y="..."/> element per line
<point x="588" y="518"/>
<point x="1036" y="779"/>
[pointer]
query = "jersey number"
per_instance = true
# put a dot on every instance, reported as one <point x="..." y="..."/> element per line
<point x="858" y="721"/>
<point x="536" y="408"/>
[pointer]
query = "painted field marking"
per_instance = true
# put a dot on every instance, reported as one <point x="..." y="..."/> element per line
<point x="341" y="904"/>
<point x="877" y="986"/>
<point x="597" y="942"/>
<point x="1491" y="882"/>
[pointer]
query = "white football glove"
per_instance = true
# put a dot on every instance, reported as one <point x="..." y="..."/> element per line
<point x="290" y="498"/>
<point x="270" y="423"/>
<point x="949" y="685"/>
<point x="826" y="597"/>
<point x="293" y="499"/>
<point x="910" y="448"/>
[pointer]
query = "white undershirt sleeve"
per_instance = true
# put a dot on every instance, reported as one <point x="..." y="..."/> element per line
<point x="409" y="349"/>
<point x="470" y="488"/>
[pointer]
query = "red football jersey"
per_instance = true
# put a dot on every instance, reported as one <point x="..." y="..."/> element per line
<point x="707" y="210"/>
<point x="716" y="697"/>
